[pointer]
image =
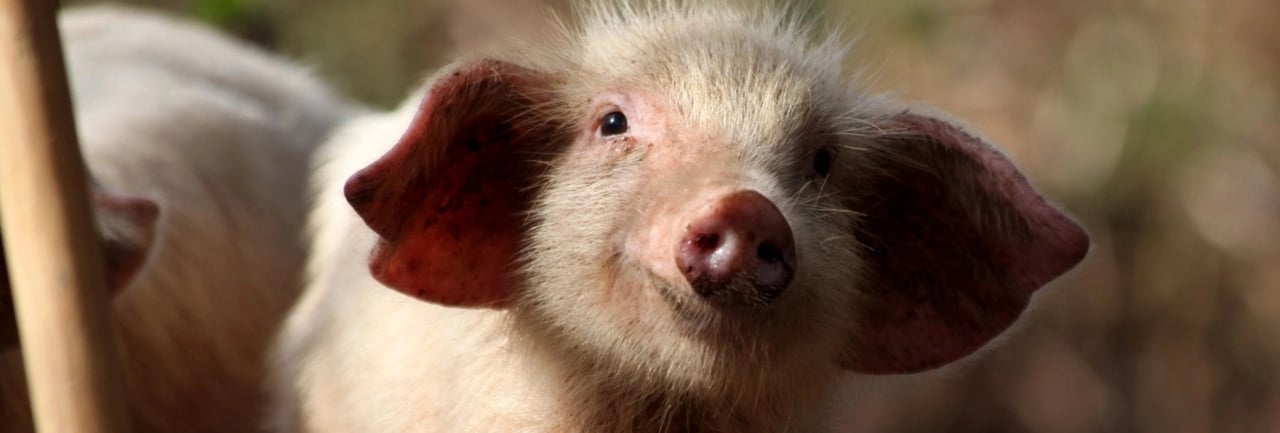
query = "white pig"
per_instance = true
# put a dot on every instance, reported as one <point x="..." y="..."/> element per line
<point x="672" y="218"/>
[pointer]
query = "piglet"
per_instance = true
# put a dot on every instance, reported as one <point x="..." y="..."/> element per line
<point x="661" y="218"/>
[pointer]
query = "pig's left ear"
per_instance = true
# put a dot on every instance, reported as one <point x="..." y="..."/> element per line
<point x="450" y="200"/>
<point x="127" y="232"/>
<point x="956" y="241"/>
<point x="126" y="228"/>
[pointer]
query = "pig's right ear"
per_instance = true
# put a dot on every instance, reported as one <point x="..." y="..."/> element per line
<point x="449" y="200"/>
<point x="955" y="241"/>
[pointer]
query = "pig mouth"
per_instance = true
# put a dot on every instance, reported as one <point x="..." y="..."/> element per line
<point x="698" y="318"/>
<point x="681" y="304"/>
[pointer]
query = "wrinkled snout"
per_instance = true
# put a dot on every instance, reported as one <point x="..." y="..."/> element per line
<point x="738" y="250"/>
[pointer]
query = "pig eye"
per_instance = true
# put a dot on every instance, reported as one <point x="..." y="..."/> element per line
<point x="822" y="161"/>
<point x="613" y="123"/>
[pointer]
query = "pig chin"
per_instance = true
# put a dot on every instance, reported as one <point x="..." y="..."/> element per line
<point x="703" y="346"/>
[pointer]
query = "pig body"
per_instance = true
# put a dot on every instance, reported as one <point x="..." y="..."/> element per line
<point x="219" y="136"/>
<point x="667" y="218"/>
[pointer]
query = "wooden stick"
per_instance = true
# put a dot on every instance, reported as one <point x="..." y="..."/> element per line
<point x="55" y="264"/>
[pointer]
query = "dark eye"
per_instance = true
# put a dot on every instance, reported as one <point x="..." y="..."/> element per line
<point x="613" y="124"/>
<point x="822" y="161"/>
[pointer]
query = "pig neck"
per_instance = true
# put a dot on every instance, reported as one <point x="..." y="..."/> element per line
<point x="570" y="392"/>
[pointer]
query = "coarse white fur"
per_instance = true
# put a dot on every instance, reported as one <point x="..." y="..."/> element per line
<point x="219" y="135"/>
<point x="356" y="356"/>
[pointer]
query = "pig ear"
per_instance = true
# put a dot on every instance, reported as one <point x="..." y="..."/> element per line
<point x="956" y="242"/>
<point x="126" y="228"/>
<point x="449" y="200"/>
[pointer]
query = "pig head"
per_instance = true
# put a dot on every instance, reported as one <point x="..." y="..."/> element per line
<point x="704" y="229"/>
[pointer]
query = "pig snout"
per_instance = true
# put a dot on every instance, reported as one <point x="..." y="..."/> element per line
<point x="738" y="250"/>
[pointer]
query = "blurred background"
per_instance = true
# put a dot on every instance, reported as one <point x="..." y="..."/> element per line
<point x="1155" y="122"/>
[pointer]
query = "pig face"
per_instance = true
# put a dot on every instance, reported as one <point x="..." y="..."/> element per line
<point x="708" y="212"/>
<point x="709" y="247"/>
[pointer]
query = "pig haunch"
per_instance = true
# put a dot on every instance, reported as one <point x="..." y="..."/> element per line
<point x="216" y="136"/>
<point x="667" y="218"/>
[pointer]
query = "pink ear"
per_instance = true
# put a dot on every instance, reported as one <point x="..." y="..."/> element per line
<point x="957" y="241"/>
<point x="126" y="227"/>
<point x="449" y="200"/>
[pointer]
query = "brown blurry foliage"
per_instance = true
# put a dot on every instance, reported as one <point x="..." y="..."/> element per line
<point x="1155" y="122"/>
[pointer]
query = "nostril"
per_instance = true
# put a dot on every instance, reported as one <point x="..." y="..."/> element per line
<point x="707" y="242"/>
<point x="773" y="270"/>
<point x="768" y="253"/>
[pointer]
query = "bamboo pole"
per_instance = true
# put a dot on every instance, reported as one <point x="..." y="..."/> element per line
<point x="55" y="264"/>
